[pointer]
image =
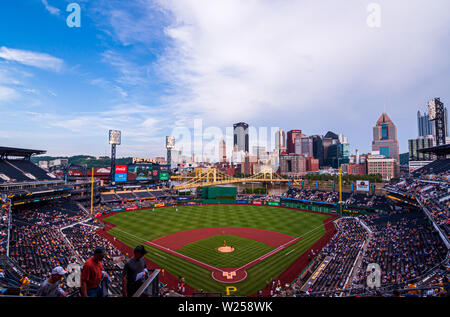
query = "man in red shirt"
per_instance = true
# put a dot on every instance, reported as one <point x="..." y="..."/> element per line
<point x="91" y="274"/>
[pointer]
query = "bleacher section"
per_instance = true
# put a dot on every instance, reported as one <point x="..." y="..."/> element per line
<point x="435" y="167"/>
<point x="12" y="173"/>
<point x="109" y="198"/>
<point x="130" y="196"/>
<point x="22" y="171"/>
<point x="33" y="169"/>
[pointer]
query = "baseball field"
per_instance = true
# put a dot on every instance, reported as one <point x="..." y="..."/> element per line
<point x="217" y="246"/>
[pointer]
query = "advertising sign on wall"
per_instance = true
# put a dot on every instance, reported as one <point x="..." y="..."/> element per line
<point x="120" y="177"/>
<point x="363" y="186"/>
<point x="120" y="169"/>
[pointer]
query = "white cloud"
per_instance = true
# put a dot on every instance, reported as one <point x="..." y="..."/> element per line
<point x="30" y="58"/>
<point x="7" y="94"/>
<point x="49" y="8"/>
<point x="249" y="60"/>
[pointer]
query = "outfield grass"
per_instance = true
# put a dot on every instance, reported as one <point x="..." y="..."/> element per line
<point x="136" y="227"/>
<point x="245" y="251"/>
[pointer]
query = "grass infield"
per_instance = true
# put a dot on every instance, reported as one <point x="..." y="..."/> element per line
<point x="136" y="227"/>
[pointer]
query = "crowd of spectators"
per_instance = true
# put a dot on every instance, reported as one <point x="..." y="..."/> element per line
<point x="354" y="199"/>
<point x="434" y="195"/>
<point x="403" y="243"/>
<point x="405" y="246"/>
<point x="83" y="239"/>
<point x="4" y="216"/>
<point x="52" y="237"/>
<point x="342" y="251"/>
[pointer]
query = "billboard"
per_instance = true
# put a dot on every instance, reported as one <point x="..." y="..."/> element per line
<point x="140" y="172"/>
<point x="164" y="176"/>
<point x="363" y="186"/>
<point x="120" y="177"/>
<point x="121" y="169"/>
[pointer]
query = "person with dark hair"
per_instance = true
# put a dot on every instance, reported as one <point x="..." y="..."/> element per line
<point x="134" y="272"/>
<point x="92" y="274"/>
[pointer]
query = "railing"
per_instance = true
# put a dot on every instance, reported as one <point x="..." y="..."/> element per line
<point x="152" y="282"/>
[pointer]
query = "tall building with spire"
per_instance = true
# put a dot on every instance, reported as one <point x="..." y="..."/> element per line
<point x="385" y="139"/>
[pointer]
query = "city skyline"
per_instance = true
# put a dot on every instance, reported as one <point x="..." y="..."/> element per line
<point x="149" y="66"/>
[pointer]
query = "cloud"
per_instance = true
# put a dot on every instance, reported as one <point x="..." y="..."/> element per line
<point x="7" y="94"/>
<point x="52" y="10"/>
<point x="29" y="58"/>
<point x="130" y="74"/>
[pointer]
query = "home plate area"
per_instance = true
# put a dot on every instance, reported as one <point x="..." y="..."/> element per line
<point x="175" y="242"/>
<point x="232" y="275"/>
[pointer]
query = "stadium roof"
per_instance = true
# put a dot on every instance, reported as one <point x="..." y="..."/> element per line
<point x="11" y="151"/>
<point x="438" y="150"/>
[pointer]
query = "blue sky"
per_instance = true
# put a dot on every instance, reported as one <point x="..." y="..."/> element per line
<point x="147" y="66"/>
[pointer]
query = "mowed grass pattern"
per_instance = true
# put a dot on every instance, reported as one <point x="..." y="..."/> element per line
<point x="206" y="251"/>
<point x="136" y="227"/>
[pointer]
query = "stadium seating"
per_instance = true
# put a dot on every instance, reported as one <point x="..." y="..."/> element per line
<point x="29" y="167"/>
<point x="404" y="245"/>
<point x="356" y="199"/>
<point x="13" y="173"/>
<point x="435" y="167"/>
<point x="22" y="171"/>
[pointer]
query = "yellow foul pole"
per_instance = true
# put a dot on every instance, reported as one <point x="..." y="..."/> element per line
<point x="92" y="192"/>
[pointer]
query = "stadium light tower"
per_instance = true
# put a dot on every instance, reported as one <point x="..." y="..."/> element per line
<point x="170" y="144"/>
<point x="114" y="139"/>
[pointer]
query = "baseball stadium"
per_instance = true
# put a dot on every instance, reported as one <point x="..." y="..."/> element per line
<point x="203" y="234"/>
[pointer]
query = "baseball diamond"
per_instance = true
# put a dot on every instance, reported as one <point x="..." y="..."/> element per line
<point x="269" y="243"/>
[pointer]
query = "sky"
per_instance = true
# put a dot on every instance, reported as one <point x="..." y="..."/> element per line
<point x="147" y="67"/>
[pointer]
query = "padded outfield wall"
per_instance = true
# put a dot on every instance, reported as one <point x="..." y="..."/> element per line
<point x="219" y="192"/>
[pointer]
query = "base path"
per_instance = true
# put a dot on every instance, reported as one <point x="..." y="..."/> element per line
<point x="176" y="241"/>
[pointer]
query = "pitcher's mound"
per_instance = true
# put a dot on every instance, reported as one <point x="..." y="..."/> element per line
<point x="225" y="249"/>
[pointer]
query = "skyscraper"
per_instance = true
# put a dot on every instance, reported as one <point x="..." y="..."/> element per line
<point x="280" y="141"/>
<point x="385" y="139"/>
<point x="426" y="127"/>
<point x="240" y="134"/>
<point x="222" y="151"/>
<point x="290" y="142"/>
<point x="318" y="148"/>
<point x="307" y="146"/>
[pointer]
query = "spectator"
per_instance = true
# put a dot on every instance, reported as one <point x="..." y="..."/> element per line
<point x="91" y="274"/>
<point x="134" y="272"/>
<point x="51" y="286"/>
